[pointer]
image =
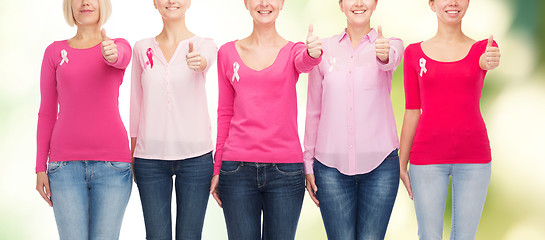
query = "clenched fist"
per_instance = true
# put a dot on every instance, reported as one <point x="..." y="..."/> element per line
<point x="109" y="48"/>
<point x="382" y="46"/>
<point x="314" y="45"/>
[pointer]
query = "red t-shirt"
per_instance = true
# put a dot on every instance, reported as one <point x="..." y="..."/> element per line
<point x="451" y="128"/>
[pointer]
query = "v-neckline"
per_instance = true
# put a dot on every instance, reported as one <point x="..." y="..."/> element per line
<point x="274" y="62"/>
<point x="160" y="51"/>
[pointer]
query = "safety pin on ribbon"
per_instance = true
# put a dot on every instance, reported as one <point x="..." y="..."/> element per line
<point x="64" y="56"/>
<point x="235" y="72"/>
<point x="332" y="62"/>
<point x="149" y="53"/>
<point x="423" y="66"/>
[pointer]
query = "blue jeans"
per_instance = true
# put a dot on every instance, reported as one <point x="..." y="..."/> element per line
<point x="89" y="198"/>
<point x="154" y="181"/>
<point x="430" y="186"/>
<point x="357" y="206"/>
<point x="248" y="189"/>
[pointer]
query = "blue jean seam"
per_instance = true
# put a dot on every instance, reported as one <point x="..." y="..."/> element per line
<point x="453" y="224"/>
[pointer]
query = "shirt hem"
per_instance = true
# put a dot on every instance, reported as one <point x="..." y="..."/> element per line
<point x="451" y="161"/>
<point x="264" y="158"/>
<point x="173" y="158"/>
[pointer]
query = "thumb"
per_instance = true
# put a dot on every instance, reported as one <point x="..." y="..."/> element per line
<point x="103" y="35"/>
<point x="490" y="41"/>
<point x="314" y="187"/>
<point x="190" y="47"/>
<point x="47" y="190"/>
<point x="310" y="30"/>
<point x="379" y="31"/>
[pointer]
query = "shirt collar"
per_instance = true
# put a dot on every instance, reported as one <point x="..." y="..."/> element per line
<point x="371" y="36"/>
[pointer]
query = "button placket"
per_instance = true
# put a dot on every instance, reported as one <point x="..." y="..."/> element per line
<point x="351" y="116"/>
<point x="167" y="87"/>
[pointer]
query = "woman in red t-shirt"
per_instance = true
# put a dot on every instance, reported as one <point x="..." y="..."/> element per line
<point x="443" y="133"/>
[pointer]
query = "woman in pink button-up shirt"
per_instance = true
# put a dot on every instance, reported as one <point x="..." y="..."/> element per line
<point x="351" y="140"/>
<point x="170" y="125"/>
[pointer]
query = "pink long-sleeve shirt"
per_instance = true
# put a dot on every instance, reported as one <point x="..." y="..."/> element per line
<point x="350" y="122"/>
<point x="257" y="110"/>
<point x="79" y="114"/>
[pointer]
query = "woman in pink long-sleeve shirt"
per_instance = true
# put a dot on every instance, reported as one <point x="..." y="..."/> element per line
<point x="258" y="161"/>
<point x="88" y="179"/>
<point x="444" y="135"/>
<point x="351" y="141"/>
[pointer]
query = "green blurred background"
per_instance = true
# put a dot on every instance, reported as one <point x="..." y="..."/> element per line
<point x="513" y="103"/>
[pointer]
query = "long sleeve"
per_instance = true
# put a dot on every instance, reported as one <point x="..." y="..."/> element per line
<point x="395" y="55"/>
<point x="136" y="94"/>
<point x="304" y="62"/>
<point x="314" y="109"/>
<point x="47" y="115"/>
<point x="123" y="54"/>
<point x="410" y="76"/>
<point x="209" y="51"/>
<point x="225" y="111"/>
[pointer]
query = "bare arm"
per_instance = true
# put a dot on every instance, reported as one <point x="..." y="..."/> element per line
<point x="410" y="121"/>
<point x="133" y="145"/>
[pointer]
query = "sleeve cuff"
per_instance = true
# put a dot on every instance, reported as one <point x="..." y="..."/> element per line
<point x="390" y="65"/>
<point x="310" y="61"/>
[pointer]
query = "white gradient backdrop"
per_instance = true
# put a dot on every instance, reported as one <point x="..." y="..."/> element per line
<point x="514" y="118"/>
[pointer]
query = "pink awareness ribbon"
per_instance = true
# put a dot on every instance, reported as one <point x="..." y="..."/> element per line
<point x="150" y="57"/>
<point x="236" y="66"/>
<point x="64" y="56"/>
<point x="423" y="68"/>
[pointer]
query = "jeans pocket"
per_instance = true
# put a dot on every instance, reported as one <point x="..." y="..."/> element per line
<point x="119" y="166"/>
<point x="290" y="169"/>
<point x="54" y="166"/>
<point x="229" y="167"/>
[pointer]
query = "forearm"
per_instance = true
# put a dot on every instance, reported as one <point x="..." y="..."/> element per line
<point x="408" y="130"/>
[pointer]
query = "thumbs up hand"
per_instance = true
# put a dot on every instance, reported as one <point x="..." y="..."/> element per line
<point x="491" y="56"/>
<point x="108" y="47"/>
<point x="194" y="59"/>
<point x="382" y="46"/>
<point x="314" y="45"/>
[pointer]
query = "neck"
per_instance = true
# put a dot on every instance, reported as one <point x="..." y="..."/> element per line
<point x="449" y="32"/>
<point x="264" y="34"/>
<point x="357" y="33"/>
<point x="88" y="32"/>
<point x="174" y="30"/>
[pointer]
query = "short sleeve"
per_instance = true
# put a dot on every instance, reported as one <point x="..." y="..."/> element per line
<point x="410" y="75"/>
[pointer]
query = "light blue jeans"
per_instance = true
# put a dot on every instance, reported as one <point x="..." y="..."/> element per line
<point x="430" y="186"/>
<point x="89" y="198"/>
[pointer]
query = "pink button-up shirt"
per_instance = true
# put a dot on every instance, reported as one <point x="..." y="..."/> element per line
<point x="350" y="122"/>
<point x="169" y="110"/>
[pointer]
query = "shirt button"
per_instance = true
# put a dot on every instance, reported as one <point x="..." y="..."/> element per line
<point x="350" y="109"/>
<point x="350" y="145"/>
<point x="351" y="56"/>
<point x="349" y="72"/>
